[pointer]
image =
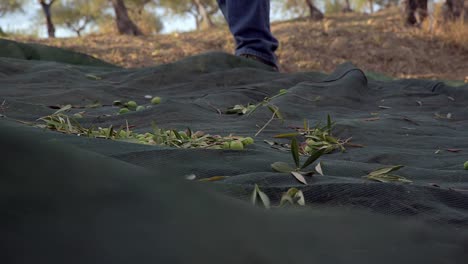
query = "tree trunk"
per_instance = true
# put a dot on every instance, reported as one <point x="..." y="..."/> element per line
<point x="50" y="25"/>
<point x="314" y="12"/>
<point x="455" y="9"/>
<point x="371" y="6"/>
<point x="125" y="25"/>
<point x="347" y="7"/>
<point x="206" y="21"/>
<point x="415" y="11"/>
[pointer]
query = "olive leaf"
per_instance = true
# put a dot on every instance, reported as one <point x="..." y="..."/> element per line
<point x="282" y="167"/>
<point x="386" y="170"/>
<point x="110" y="132"/>
<point x="263" y="197"/>
<point x="313" y="157"/>
<point x="299" y="177"/>
<point x="176" y="133"/>
<point x="295" y="151"/>
<point x="318" y="168"/>
<point x="383" y="175"/>
<point x="292" y="196"/>
<point x="287" y="135"/>
<point x="386" y="178"/>
<point x="63" y="109"/>
<point x="214" y="178"/>
<point x="329" y="123"/>
<point x="275" y="110"/>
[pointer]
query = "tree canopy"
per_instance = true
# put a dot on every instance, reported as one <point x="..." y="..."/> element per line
<point x="7" y="6"/>
<point x="76" y="15"/>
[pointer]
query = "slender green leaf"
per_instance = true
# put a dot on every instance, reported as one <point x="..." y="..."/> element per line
<point x="63" y="109"/>
<point x="329" y="123"/>
<point x="214" y="178"/>
<point x="70" y="127"/>
<point x="287" y="135"/>
<point x="110" y="132"/>
<point x="386" y="170"/>
<point x="295" y="151"/>
<point x="313" y="157"/>
<point x="176" y="133"/>
<point x="386" y="178"/>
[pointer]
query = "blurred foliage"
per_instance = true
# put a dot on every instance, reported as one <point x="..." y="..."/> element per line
<point x="146" y="22"/>
<point x="76" y="15"/>
<point x="203" y="11"/>
<point x="297" y="7"/>
<point x="7" y="6"/>
<point x="333" y="6"/>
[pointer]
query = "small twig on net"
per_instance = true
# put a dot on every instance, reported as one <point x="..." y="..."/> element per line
<point x="267" y="123"/>
<point x="217" y="110"/>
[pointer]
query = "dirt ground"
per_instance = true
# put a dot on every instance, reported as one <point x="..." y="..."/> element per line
<point x="377" y="42"/>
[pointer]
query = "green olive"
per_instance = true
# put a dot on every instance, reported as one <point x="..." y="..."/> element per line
<point x="236" y="145"/>
<point x="123" y="110"/>
<point x="132" y="105"/>
<point x="156" y="100"/>
<point x="122" y="133"/>
<point x="140" y="108"/>
<point x="226" y="145"/>
<point x="247" y="141"/>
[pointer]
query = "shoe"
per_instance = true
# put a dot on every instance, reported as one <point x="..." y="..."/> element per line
<point x="253" y="57"/>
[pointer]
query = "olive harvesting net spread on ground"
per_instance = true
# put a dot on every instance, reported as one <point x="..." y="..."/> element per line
<point x="77" y="196"/>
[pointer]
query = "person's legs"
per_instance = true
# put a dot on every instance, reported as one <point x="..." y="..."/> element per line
<point x="249" y="22"/>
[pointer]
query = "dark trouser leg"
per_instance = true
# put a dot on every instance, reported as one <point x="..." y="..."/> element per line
<point x="249" y="22"/>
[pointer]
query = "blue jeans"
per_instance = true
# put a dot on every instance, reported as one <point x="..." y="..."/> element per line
<point x="249" y="22"/>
